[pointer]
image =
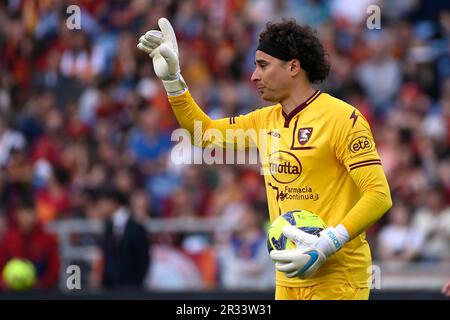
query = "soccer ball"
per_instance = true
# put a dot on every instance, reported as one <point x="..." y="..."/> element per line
<point x="302" y="219"/>
<point x="19" y="274"/>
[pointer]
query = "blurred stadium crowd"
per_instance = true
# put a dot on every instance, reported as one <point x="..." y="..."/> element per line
<point x="81" y="111"/>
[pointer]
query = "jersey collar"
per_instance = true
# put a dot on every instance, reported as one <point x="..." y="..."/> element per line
<point x="300" y="107"/>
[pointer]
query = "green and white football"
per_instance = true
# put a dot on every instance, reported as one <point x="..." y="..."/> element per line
<point x="304" y="220"/>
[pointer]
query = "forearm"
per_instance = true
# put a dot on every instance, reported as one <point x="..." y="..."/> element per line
<point x="233" y="132"/>
<point x="187" y="112"/>
<point x="374" y="203"/>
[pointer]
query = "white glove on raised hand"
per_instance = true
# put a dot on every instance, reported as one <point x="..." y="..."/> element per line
<point x="162" y="47"/>
<point x="311" y="252"/>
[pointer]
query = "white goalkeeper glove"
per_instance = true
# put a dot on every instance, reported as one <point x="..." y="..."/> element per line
<point x="162" y="47"/>
<point x="311" y="252"/>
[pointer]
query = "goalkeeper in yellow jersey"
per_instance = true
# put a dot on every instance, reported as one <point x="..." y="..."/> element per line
<point x="325" y="160"/>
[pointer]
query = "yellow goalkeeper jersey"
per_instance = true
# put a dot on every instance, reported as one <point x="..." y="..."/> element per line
<point x="321" y="158"/>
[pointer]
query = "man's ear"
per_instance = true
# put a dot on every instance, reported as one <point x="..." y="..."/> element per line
<point x="294" y="67"/>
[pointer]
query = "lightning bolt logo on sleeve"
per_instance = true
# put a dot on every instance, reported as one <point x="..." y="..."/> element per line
<point x="354" y="116"/>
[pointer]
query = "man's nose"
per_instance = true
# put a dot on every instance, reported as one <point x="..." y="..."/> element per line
<point x="255" y="75"/>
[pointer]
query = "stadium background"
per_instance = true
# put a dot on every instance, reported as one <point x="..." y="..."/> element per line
<point x="81" y="110"/>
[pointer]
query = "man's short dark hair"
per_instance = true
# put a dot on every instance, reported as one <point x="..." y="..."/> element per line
<point x="302" y="43"/>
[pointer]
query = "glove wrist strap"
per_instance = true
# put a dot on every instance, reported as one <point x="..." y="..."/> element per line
<point x="333" y="239"/>
<point x="342" y="233"/>
<point x="176" y="86"/>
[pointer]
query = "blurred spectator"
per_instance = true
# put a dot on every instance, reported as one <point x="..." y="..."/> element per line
<point x="140" y="205"/>
<point x="227" y="195"/>
<point x="53" y="201"/>
<point x="433" y="220"/>
<point x="446" y="289"/>
<point x="194" y="182"/>
<point x="124" y="180"/>
<point x="244" y="261"/>
<point x="444" y="178"/>
<point x="398" y="241"/>
<point x="3" y="227"/>
<point x="15" y="181"/>
<point x="50" y="145"/>
<point x="81" y="59"/>
<point x="28" y="240"/>
<point x="161" y="187"/>
<point x="172" y="270"/>
<point x="9" y="140"/>
<point x="380" y="75"/>
<point x="18" y="170"/>
<point x="125" y="244"/>
<point x="349" y="11"/>
<point x="198" y="248"/>
<point x="145" y="142"/>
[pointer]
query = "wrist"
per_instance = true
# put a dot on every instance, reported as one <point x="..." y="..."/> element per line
<point x="175" y="86"/>
<point x="342" y="234"/>
<point x="332" y="239"/>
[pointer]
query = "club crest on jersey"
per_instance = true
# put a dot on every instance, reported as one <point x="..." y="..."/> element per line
<point x="304" y="134"/>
